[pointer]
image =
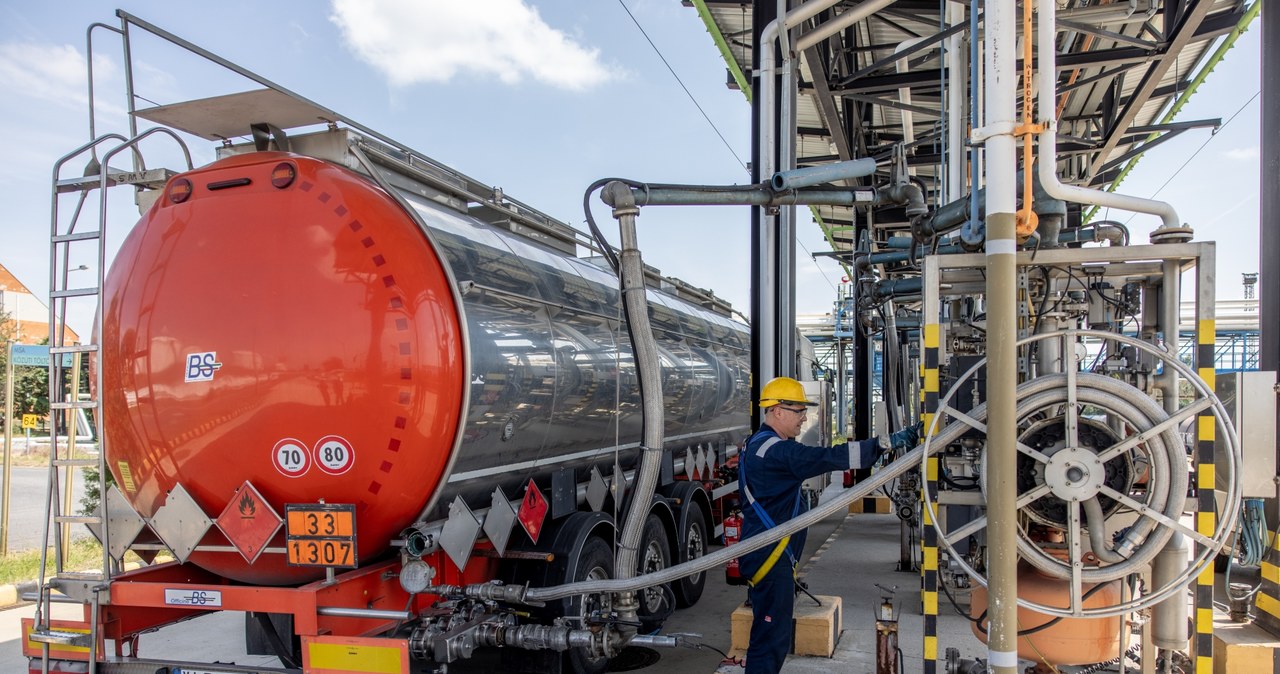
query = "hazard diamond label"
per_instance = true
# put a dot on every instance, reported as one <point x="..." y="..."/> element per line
<point x="533" y="511"/>
<point x="249" y="522"/>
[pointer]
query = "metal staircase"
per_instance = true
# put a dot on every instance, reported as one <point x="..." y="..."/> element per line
<point x="66" y="398"/>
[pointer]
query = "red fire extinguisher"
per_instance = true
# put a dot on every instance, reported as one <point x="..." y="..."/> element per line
<point x="733" y="534"/>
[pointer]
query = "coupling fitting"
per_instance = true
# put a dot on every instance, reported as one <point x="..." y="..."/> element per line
<point x="619" y="195"/>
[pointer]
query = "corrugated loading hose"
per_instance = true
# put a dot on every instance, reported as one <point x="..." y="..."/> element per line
<point x="649" y="373"/>
<point x="909" y="461"/>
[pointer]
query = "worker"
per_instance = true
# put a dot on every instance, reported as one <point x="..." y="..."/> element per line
<point x="771" y="469"/>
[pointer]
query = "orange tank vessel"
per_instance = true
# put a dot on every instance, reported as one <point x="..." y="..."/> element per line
<point x="341" y="346"/>
<point x="1070" y="641"/>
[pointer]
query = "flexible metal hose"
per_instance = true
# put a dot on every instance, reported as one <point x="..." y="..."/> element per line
<point x="649" y="372"/>
<point x="909" y="461"/>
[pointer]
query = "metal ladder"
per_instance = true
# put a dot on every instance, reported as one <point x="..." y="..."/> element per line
<point x="65" y="397"/>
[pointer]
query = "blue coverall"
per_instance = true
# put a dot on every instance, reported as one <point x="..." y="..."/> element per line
<point x="770" y="473"/>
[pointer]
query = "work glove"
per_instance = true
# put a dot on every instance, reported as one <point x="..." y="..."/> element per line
<point x="906" y="438"/>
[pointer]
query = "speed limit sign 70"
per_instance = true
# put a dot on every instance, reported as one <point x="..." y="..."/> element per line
<point x="291" y="457"/>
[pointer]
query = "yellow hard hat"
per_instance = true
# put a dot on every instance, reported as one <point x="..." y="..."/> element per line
<point x="783" y="390"/>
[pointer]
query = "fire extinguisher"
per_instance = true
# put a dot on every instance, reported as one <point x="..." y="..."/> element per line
<point x="733" y="534"/>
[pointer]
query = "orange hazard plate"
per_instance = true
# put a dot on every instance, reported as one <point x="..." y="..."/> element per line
<point x="354" y="655"/>
<point x="320" y="520"/>
<point x="31" y="648"/>
<point x="321" y="552"/>
<point x="321" y="534"/>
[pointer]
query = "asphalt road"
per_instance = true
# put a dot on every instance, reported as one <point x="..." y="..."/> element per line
<point x="26" y="507"/>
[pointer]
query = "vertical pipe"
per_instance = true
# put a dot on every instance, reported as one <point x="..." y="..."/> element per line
<point x="763" y="15"/>
<point x="766" y="322"/>
<point x="649" y="371"/>
<point x="975" y="116"/>
<point x="955" y="103"/>
<point x="1001" y="80"/>
<point x="773" y="266"/>
<point x="1169" y="617"/>
<point x="1269" y="195"/>
<point x="786" y="280"/>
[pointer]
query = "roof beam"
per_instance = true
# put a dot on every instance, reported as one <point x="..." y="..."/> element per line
<point x="1181" y="36"/>
<point x="826" y="102"/>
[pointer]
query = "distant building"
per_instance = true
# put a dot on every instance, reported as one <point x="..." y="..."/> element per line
<point x="28" y="315"/>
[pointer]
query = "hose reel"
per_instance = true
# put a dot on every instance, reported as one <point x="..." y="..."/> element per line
<point x="1102" y="465"/>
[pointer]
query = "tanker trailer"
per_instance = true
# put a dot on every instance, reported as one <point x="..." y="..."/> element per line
<point x="337" y="381"/>
<point x="311" y="336"/>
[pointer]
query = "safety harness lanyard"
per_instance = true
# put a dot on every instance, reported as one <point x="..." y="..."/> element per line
<point x="767" y="521"/>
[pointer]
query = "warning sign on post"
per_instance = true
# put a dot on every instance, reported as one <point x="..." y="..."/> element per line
<point x="30" y="420"/>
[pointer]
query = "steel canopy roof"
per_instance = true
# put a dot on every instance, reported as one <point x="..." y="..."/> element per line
<point x="1123" y="70"/>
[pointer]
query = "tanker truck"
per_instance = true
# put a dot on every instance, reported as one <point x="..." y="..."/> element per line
<point x="369" y="400"/>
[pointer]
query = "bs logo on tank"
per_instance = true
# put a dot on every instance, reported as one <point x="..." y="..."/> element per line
<point x="201" y="366"/>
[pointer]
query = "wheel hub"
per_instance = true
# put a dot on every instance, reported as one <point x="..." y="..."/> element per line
<point x="1074" y="474"/>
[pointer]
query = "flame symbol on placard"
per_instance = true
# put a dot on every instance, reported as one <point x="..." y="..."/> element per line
<point x="247" y="507"/>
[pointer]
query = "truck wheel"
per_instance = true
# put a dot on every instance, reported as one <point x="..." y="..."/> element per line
<point x="691" y="544"/>
<point x="655" y="555"/>
<point x="595" y="562"/>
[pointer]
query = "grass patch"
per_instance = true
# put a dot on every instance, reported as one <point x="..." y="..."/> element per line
<point x="83" y="555"/>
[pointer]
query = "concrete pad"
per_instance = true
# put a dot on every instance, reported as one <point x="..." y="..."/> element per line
<point x="1243" y="647"/>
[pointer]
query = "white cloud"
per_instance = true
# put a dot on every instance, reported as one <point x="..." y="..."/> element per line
<point x="49" y="72"/>
<point x="413" y="41"/>
<point x="1242" y="153"/>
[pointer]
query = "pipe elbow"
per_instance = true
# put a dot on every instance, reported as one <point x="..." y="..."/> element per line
<point x="909" y="195"/>
<point x="618" y="195"/>
<point x="916" y="205"/>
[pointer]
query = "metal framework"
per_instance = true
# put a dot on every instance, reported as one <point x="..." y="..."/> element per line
<point x="881" y="85"/>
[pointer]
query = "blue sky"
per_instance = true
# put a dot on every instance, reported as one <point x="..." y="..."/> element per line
<point x="540" y="99"/>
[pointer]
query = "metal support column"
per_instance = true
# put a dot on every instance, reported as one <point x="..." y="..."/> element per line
<point x="1001" y="78"/>
<point x="930" y="334"/>
<point x="1206" y="429"/>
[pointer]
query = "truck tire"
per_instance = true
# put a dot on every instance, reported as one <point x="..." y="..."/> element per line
<point x="595" y="562"/>
<point x="656" y="603"/>
<point x="694" y="535"/>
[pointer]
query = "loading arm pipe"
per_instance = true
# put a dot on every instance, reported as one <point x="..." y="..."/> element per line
<point x="823" y="174"/>
<point x="1048" y="173"/>
<point x="908" y="194"/>
<point x="899" y="247"/>
<point x="955" y="214"/>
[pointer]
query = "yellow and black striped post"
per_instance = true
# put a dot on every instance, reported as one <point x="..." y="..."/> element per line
<point x="929" y="535"/>
<point x="1205" y="506"/>
<point x="1268" y="601"/>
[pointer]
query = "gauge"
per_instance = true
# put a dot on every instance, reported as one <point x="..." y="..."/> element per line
<point x="416" y="576"/>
